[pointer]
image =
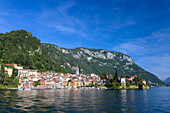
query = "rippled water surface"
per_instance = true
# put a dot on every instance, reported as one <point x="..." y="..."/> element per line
<point x="83" y="100"/>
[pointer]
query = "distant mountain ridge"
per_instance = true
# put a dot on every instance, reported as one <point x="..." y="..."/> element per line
<point x="167" y="80"/>
<point x="97" y="61"/>
<point x="21" y="47"/>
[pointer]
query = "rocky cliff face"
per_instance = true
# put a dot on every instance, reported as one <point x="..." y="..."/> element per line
<point x="97" y="61"/>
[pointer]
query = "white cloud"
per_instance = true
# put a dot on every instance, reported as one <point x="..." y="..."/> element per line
<point x="129" y="48"/>
<point x="59" y="19"/>
<point x="65" y="29"/>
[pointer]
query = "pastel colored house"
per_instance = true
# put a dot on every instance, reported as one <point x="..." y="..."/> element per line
<point x="144" y="82"/>
<point x="47" y="83"/>
<point x="132" y="77"/>
<point x="9" y="71"/>
<point x="65" y="83"/>
<point x="24" y="82"/>
<point x="123" y="81"/>
<point x="23" y="73"/>
<point x="77" y="84"/>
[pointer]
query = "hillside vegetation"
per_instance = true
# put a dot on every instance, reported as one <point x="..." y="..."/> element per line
<point x="97" y="61"/>
<point x="22" y="48"/>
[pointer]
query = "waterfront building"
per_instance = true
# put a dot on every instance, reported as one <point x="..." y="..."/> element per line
<point x="76" y="84"/>
<point x="132" y="77"/>
<point x="65" y="83"/>
<point x="23" y="73"/>
<point x="123" y="81"/>
<point x="144" y="82"/>
<point x="9" y="71"/>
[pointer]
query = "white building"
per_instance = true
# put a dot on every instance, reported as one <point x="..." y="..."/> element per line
<point x="26" y="72"/>
<point x="23" y="72"/>
<point x="93" y="75"/>
<point x="33" y="72"/>
<point x="123" y="81"/>
<point x="18" y="67"/>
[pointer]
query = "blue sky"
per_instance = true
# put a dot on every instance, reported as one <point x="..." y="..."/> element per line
<point x="138" y="28"/>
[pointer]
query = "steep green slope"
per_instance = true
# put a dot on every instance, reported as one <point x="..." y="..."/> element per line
<point x="22" y="48"/>
<point x="97" y="61"/>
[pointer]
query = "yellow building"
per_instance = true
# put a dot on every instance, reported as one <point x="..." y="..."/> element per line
<point x="47" y="83"/>
<point x="77" y="84"/>
<point x="9" y="71"/>
<point x="144" y="82"/>
<point x="65" y="83"/>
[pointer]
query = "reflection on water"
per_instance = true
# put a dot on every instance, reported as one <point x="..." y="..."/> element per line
<point x="61" y="100"/>
<point x="124" y="100"/>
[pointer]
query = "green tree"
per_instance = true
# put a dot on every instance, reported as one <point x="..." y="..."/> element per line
<point x="127" y="83"/>
<point x="116" y="78"/>
<point x="137" y="80"/>
<point x="3" y="75"/>
<point x="14" y="73"/>
<point x="103" y="75"/>
<point x="37" y="83"/>
<point x="16" y="81"/>
<point x="112" y="77"/>
<point x="127" y="76"/>
<point x="69" y="80"/>
<point x="2" y="68"/>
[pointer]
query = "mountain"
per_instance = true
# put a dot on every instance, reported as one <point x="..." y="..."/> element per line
<point x="97" y="61"/>
<point x="22" y="48"/>
<point x="167" y="80"/>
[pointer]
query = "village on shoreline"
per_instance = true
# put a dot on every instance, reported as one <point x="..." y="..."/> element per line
<point x="27" y="79"/>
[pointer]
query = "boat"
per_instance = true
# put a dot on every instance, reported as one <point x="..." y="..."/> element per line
<point x="27" y="88"/>
<point x="20" y="89"/>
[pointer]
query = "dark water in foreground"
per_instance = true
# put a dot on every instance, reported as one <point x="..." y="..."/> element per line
<point x="154" y="100"/>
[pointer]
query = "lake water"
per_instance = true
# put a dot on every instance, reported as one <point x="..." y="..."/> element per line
<point x="154" y="100"/>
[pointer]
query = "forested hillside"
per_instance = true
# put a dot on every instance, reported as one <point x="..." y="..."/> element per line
<point x="23" y="48"/>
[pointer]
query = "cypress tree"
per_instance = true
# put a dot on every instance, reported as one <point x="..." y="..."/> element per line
<point x="116" y="78"/>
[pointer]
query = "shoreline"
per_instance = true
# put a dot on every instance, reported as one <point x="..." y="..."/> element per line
<point x="93" y="88"/>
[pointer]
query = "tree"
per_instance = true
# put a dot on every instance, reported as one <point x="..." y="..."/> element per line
<point x="116" y="78"/>
<point x="103" y="75"/>
<point x="3" y="75"/>
<point x="2" y="68"/>
<point x="127" y="83"/>
<point x="112" y="77"/>
<point x="15" y="73"/>
<point x="91" y="84"/>
<point x="16" y="81"/>
<point x="137" y="80"/>
<point x="37" y="83"/>
<point x="127" y="76"/>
